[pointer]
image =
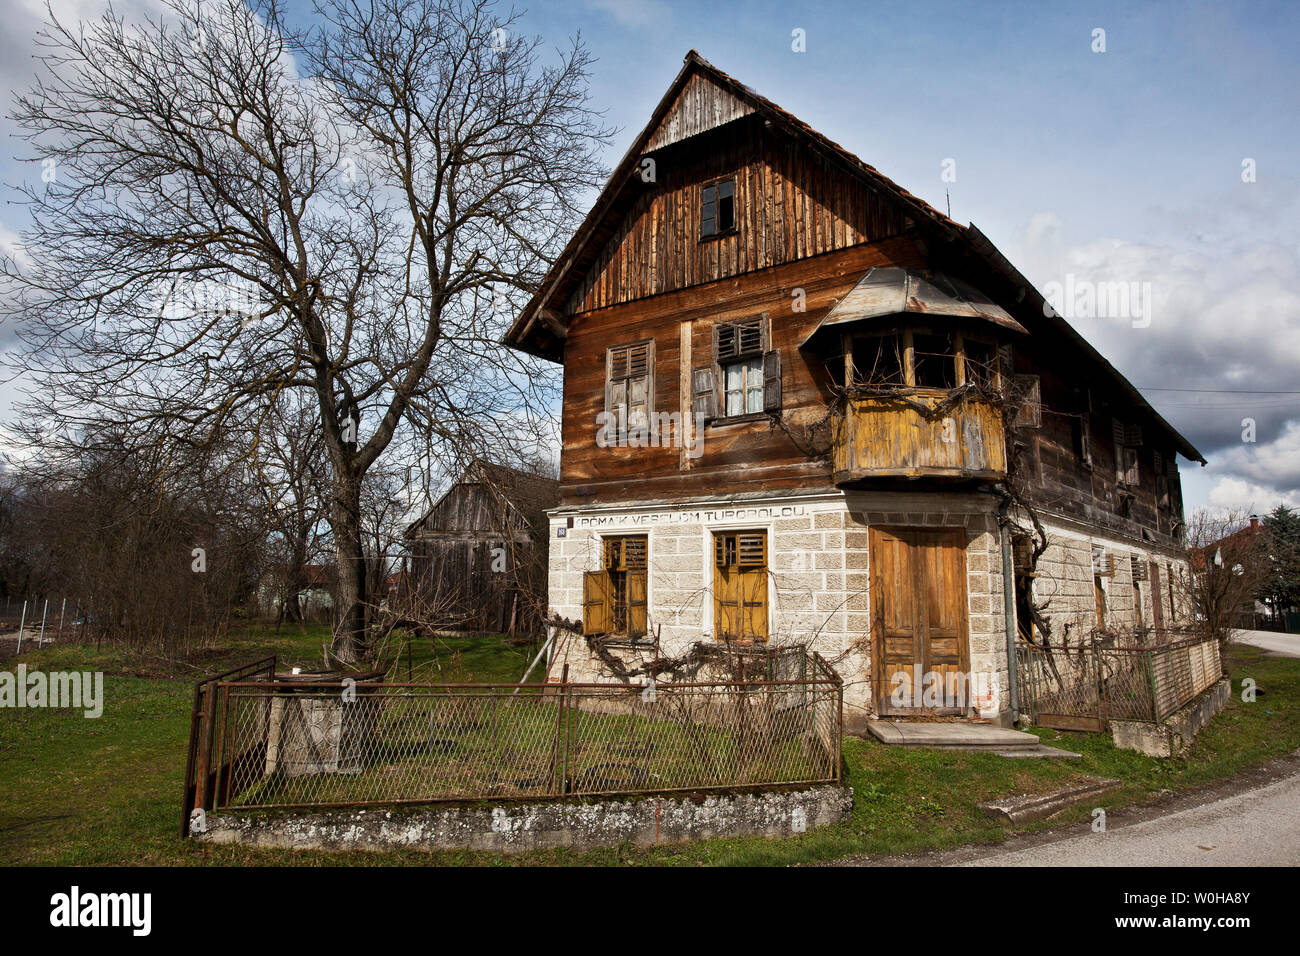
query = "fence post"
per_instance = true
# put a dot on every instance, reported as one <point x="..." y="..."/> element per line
<point x="209" y="738"/>
<point x="559" y="742"/>
<point x="1151" y="680"/>
<point x="22" y="624"/>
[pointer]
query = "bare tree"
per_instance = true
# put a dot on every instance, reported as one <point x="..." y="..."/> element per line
<point x="1229" y="562"/>
<point x="219" y="229"/>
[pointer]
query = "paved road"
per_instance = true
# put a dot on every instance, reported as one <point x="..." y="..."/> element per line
<point x="1285" y="644"/>
<point x="1260" y="827"/>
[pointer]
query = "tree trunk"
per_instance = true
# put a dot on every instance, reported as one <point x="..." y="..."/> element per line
<point x="349" y="644"/>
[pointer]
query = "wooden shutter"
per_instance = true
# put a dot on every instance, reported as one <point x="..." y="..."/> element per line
<point x="1157" y="609"/>
<point x="704" y="392"/>
<point x="772" y="381"/>
<point x="629" y="378"/>
<point x="1030" y="412"/>
<point x="636" y="604"/>
<point x="1117" y="438"/>
<point x="597" y="603"/>
<point x="725" y="585"/>
<point x="1006" y="367"/>
<point x="733" y="340"/>
<point x="751" y="550"/>
<point x="634" y="554"/>
<point x="753" y="603"/>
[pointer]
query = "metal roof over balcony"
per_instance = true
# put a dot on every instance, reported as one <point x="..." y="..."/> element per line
<point x="892" y="291"/>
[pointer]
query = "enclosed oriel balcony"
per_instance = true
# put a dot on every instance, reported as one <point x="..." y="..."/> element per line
<point x="879" y="437"/>
<point x="924" y="375"/>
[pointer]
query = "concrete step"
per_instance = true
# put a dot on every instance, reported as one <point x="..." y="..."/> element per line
<point x="951" y="736"/>
<point x="1037" y="806"/>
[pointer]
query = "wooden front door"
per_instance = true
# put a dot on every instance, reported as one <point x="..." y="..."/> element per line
<point x="920" y="657"/>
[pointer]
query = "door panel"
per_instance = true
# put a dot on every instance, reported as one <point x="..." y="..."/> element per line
<point x="918" y="594"/>
<point x="895" y="620"/>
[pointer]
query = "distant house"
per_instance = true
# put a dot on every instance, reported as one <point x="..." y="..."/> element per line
<point x="315" y="597"/>
<point x="1240" y="552"/>
<point x="478" y="557"/>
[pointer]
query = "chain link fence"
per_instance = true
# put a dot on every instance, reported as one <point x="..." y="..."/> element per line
<point x="1081" y="688"/>
<point x="262" y="741"/>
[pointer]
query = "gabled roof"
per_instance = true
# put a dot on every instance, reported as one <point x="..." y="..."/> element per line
<point x="540" y="328"/>
<point x="668" y="124"/>
<point x="525" y="493"/>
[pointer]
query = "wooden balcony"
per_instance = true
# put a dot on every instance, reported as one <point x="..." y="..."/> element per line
<point x="883" y="437"/>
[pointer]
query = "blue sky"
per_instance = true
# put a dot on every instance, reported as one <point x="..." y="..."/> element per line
<point x="1123" y="165"/>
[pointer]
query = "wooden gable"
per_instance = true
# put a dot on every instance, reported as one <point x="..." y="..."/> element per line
<point x="701" y="105"/>
<point x="790" y="204"/>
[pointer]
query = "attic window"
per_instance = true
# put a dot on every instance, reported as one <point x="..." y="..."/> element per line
<point x="718" y="208"/>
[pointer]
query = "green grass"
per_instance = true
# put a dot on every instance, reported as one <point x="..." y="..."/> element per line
<point x="107" y="791"/>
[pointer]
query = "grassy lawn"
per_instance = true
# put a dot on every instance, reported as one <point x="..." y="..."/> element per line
<point x="107" y="791"/>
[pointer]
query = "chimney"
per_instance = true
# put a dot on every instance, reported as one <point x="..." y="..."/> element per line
<point x="1254" y="521"/>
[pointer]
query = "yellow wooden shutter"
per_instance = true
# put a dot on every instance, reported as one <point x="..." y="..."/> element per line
<point x="597" y="603"/>
<point x="725" y="583"/>
<point x="636" y="604"/>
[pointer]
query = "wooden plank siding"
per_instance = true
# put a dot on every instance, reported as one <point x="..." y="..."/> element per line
<point x="790" y="204"/>
<point x="1064" y="483"/>
<point x="738" y="457"/>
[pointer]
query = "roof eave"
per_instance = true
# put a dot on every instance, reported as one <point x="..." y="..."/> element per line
<point x="990" y="253"/>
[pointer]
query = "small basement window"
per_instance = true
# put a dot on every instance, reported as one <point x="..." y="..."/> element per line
<point x="718" y="208"/>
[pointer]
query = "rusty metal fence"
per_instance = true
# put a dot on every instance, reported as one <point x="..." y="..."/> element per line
<point x="1081" y="688"/>
<point x="259" y="742"/>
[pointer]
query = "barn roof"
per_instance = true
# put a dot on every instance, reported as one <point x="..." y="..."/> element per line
<point x="526" y="493"/>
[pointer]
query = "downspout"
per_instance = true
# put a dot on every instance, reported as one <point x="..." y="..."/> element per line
<point x="1009" y="609"/>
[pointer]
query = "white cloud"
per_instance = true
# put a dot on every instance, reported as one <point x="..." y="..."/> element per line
<point x="635" y="14"/>
<point x="1237" y="495"/>
<point x="1275" y="464"/>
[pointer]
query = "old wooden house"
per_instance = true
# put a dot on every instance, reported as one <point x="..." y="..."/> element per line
<point x="478" y="558"/>
<point x="802" y="405"/>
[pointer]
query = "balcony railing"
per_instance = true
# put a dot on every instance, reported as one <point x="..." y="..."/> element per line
<point x="889" y="436"/>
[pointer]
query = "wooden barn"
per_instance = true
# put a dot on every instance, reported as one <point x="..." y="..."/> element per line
<point x="477" y="559"/>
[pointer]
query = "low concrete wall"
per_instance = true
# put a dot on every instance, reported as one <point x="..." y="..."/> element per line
<point x="514" y="827"/>
<point x="1176" y="731"/>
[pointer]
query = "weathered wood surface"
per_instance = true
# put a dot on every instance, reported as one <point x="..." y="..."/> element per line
<point x="738" y="457"/>
<point x="883" y="436"/>
<point x="790" y="204"/>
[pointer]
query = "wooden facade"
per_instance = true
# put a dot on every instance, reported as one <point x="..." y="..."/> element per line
<point x="715" y="293"/>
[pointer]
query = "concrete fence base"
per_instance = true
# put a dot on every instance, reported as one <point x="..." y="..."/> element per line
<point x="514" y="827"/>
<point x="1175" y="732"/>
